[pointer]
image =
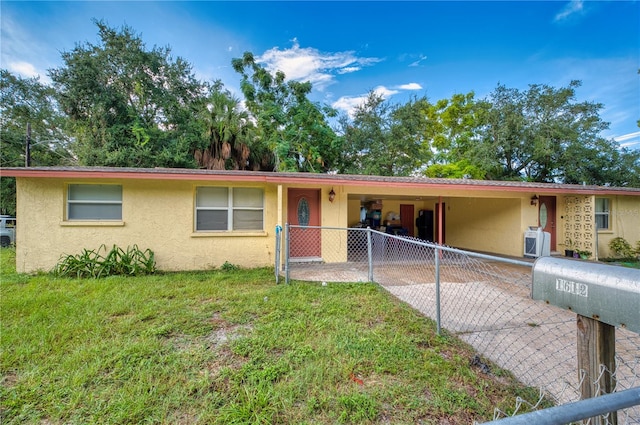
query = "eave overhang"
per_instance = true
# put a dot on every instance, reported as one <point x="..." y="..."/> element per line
<point x="115" y="173"/>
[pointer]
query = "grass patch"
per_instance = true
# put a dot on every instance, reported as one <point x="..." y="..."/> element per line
<point x="631" y="262"/>
<point x="229" y="347"/>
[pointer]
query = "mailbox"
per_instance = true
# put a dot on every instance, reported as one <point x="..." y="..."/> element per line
<point x="607" y="293"/>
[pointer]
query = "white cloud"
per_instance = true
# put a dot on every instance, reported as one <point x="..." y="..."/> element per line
<point x="21" y="53"/>
<point x="410" y="86"/>
<point x="573" y="7"/>
<point x="384" y="92"/>
<point x="629" y="136"/>
<point x="631" y="145"/>
<point x="24" y="69"/>
<point x="349" y="69"/>
<point x="631" y="140"/>
<point x="417" y="62"/>
<point x="309" y="64"/>
<point x="348" y="104"/>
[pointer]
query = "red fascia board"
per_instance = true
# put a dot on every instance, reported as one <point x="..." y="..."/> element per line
<point x="445" y="186"/>
<point x="307" y="180"/>
<point x="120" y="175"/>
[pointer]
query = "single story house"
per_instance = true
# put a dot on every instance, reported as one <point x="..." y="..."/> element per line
<point x="199" y="219"/>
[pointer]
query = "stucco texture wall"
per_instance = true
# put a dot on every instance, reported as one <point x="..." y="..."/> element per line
<point x="624" y="222"/>
<point x="156" y="214"/>
<point x="485" y="224"/>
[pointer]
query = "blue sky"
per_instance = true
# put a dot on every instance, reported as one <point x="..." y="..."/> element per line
<point x="346" y="49"/>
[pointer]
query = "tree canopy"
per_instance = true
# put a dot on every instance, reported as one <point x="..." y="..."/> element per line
<point x="384" y="140"/>
<point x="292" y="127"/>
<point x="28" y="109"/>
<point x="128" y="105"/>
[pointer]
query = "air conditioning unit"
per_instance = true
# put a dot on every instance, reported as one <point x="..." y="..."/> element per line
<point x="537" y="243"/>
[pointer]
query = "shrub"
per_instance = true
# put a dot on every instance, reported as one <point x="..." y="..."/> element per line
<point x="229" y="267"/>
<point x="90" y="263"/>
<point x="621" y="247"/>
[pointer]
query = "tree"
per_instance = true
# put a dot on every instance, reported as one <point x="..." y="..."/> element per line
<point x="129" y="106"/>
<point x="288" y="123"/>
<point x="452" y="128"/>
<point x="384" y="139"/>
<point x="230" y="140"/>
<point x="26" y="103"/>
<point x="533" y="135"/>
<point x="602" y="163"/>
<point x="457" y="170"/>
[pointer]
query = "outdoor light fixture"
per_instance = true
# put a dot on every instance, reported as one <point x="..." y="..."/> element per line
<point x="332" y="195"/>
<point x="534" y="200"/>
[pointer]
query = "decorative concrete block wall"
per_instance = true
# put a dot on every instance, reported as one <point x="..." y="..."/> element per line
<point x="580" y="225"/>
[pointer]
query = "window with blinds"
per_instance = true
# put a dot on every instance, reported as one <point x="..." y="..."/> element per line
<point x="229" y="209"/>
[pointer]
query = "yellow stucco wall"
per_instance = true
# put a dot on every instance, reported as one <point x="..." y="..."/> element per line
<point x="624" y="221"/>
<point x="577" y="222"/>
<point x="157" y="214"/>
<point x="491" y="225"/>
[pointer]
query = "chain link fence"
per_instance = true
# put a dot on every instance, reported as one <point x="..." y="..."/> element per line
<point x="483" y="300"/>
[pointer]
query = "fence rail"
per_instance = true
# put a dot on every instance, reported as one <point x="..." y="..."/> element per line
<point x="482" y="299"/>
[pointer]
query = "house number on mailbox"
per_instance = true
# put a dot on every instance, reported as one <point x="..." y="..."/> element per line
<point x="571" y="287"/>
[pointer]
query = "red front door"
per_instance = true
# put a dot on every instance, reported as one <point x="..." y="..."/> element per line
<point x="547" y="217"/>
<point x="304" y="210"/>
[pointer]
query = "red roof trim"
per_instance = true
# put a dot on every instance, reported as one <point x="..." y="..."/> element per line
<point x="307" y="179"/>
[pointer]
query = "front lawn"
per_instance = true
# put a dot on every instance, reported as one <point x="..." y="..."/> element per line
<point x="225" y="347"/>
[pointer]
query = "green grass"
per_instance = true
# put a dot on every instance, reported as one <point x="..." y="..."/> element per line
<point x="631" y="262"/>
<point x="229" y="347"/>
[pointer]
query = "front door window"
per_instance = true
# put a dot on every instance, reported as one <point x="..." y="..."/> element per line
<point x="543" y="215"/>
<point x="303" y="212"/>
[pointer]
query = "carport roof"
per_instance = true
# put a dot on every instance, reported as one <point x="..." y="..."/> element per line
<point x="309" y="178"/>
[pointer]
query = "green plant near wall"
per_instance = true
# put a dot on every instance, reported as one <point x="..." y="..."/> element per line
<point x="91" y="263"/>
<point x="584" y="254"/>
<point x="621" y="247"/>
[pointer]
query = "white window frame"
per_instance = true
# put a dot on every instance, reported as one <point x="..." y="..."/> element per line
<point x="605" y="213"/>
<point x="96" y="201"/>
<point x="230" y="208"/>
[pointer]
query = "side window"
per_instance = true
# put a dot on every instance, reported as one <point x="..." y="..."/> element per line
<point x="212" y="204"/>
<point x="602" y="213"/>
<point x="225" y="209"/>
<point x="94" y="202"/>
<point x="248" y="209"/>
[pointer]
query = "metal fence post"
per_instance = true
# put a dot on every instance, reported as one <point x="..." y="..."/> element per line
<point x="287" y="236"/>
<point x="370" y="254"/>
<point x="437" y="265"/>
<point x="278" y="248"/>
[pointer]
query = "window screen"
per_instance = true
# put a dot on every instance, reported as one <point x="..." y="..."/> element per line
<point x="94" y="202"/>
<point x="602" y="213"/>
<point x="221" y="208"/>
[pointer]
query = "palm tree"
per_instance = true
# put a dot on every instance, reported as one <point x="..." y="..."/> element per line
<point x="234" y="142"/>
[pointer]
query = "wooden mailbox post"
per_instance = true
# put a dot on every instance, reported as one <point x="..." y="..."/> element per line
<point x="604" y="297"/>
